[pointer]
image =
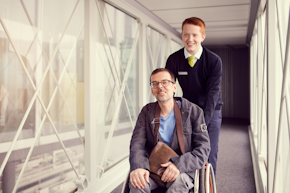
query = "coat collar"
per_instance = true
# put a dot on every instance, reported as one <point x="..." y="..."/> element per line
<point x="184" y="110"/>
<point x="185" y="104"/>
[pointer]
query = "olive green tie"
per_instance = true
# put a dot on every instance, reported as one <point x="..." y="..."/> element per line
<point x="191" y="61"/>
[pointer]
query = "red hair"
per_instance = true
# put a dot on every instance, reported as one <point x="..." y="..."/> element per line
<point x="195" y="21"/>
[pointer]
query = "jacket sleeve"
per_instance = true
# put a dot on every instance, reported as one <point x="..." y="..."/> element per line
<point x="198" y="142"/>
<point x="212" y="89"/>
<point x="138" y="153"/>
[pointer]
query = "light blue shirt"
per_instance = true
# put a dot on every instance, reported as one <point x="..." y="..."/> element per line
<point x="167" y="125"/>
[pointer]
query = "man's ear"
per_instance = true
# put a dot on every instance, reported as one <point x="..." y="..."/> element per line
<point x="203" y="37"/>
<point x="175" y="87"/>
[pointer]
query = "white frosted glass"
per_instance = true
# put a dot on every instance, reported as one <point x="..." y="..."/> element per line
<point x="114" y="107"/>
<point x="42" y="33"/>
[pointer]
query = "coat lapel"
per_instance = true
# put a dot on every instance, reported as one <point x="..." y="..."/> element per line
<point x="175" y="144"/>
<point x="151" y="114"/>
<point x="184" y="117"/>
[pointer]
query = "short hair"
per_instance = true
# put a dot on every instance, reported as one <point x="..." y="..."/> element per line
<point x="195" y="21"/>
<point x="163" y="70"/>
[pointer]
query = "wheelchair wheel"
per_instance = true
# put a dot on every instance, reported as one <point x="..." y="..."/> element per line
<point x="202" y="179"/>
<point x="210" y="184"/>
<point x="196" y="182"/>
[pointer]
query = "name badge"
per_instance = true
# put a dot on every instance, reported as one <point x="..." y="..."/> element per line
<point x="182" y="73"/>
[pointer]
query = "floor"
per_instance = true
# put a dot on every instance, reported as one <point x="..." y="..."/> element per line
<point x="234" y="167"/>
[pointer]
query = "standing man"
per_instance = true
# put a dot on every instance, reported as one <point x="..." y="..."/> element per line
<point x="199" y="73"/>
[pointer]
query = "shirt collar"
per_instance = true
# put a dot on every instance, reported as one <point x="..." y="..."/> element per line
<point x="196" y="55"/>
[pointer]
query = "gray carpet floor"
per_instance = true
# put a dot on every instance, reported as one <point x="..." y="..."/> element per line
<point x="234" y="167"/>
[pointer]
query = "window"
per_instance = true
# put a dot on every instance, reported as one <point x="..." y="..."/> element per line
<point x="42" y="94"/>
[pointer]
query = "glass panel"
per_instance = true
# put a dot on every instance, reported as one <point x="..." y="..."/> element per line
<point x="44" y="33"/>
<point x="16" y="89"/>
<point x="174" y="46"/>
<point x="283" y="7"/>
<point x="157" y="45"/>
<point x="120" y="143"/>
<point x="113" y="58"/>
<point x="283" y="171"/>
<point x="284" y="155"/>
<point x="50" y="171"/>
<point x="156" y="57"/>
<point x="262" y="121"/>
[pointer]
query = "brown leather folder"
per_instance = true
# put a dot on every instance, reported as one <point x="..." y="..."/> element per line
<point x="161" y="154"/>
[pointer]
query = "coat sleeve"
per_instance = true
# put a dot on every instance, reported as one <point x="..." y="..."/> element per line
<point x="199" y="144"/>
<point x="212" y="89"/>
<point x="138" y="153"/>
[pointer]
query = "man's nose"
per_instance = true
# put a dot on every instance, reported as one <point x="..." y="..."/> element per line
<point x="160" y="85"/>
<point x="190" y="37"/>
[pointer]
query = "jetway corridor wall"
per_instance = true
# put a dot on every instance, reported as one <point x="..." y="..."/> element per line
<point x="269" y="128"/>
<point x="73" y="77"/>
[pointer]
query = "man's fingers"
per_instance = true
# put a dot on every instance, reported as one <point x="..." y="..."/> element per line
<point x="169" y="176"/>
<point x="138" y="177"/>
<point x="171" y="172"/>
<point x="133" y="182"/>
<point x="163" y="177"/>
<point x="174" y="178"/>
<point x="175" y="175"/>
<point x="147" y="176"/>
<point x="141" y="182"/>
<point x="138" y="183"/>
<point x="165" y="165"/>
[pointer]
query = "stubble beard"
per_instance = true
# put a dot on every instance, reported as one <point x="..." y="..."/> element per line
<point x="161" y="99"/>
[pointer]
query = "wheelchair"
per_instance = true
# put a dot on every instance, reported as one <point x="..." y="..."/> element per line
<point x="204" y="182"/>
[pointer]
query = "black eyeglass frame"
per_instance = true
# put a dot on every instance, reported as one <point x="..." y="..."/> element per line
<point x="164" y="83"/>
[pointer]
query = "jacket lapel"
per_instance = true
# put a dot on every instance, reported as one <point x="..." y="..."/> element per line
<point x="151" y="113"/>
<point x="175" y="144"/>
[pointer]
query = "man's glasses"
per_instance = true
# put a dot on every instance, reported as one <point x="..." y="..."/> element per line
<point x="164" y="83"/>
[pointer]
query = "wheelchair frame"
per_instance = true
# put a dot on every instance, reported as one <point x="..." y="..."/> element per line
<point x="204" y="181"/>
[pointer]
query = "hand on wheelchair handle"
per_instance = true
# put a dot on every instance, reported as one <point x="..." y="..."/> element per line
<point x="171" y="172"/>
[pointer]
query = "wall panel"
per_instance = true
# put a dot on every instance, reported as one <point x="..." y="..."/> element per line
<point x="235" y="81"/>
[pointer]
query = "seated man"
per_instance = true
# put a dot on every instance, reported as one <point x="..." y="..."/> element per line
<point x="180" y="171"/>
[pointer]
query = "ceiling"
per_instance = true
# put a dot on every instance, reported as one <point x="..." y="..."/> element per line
<point x="226" y="20"/>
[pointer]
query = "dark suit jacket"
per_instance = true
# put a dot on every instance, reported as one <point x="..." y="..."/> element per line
<point x="196" y="141"/>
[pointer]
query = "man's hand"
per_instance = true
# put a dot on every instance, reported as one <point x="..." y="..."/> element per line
<point x="137" y="178"/>
<point x="171" y="172"/>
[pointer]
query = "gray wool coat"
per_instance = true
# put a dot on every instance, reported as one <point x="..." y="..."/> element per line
<point x="196" y="140"/>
